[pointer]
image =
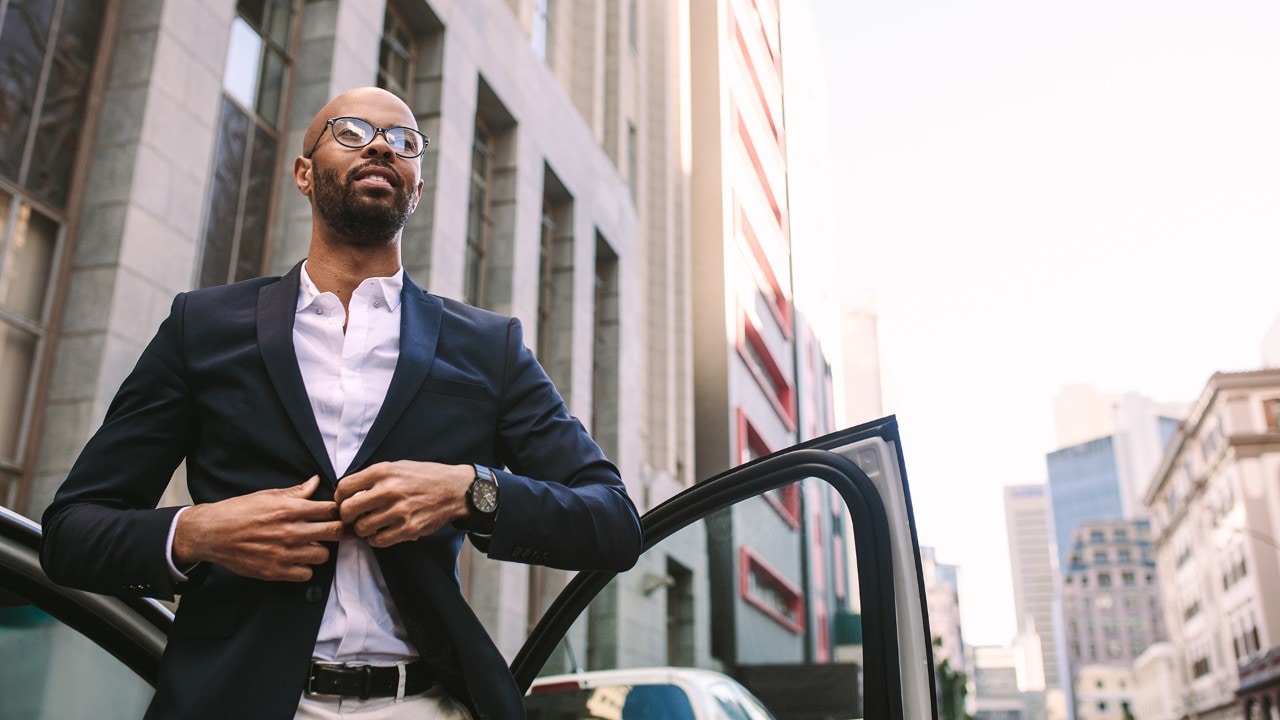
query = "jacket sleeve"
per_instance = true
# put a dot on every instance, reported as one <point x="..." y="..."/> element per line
<point x="561" y="503"/>
<point x="102" y="532"/>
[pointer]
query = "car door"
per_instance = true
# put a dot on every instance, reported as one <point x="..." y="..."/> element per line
<point x="68" y="653"/>
<point x="797" y="573"/>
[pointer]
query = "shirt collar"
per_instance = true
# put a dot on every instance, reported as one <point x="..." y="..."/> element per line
<point x="388" y="288"/>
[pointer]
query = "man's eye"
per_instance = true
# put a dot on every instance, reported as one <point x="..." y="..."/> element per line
<point x="349" y="132"/>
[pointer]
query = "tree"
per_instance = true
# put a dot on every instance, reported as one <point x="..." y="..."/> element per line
<point x="952" y="689"/>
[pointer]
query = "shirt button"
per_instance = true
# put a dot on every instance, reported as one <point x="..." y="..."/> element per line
<point x="377" y="303"/>
<point x="319" y="311"/>
<point x="314" y="594"/>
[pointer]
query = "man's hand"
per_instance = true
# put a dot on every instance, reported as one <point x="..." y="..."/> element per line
<point x="268" y="535"/>
<point x="395" y="502"/>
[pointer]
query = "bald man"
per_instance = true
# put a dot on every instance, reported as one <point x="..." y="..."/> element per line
<point x="342" y="431"/>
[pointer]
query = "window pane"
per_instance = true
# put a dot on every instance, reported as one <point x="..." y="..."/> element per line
<point x="257" y="205"/>
<point x="276" y="24"/>
<point x="252" y="9"/>
<point x="22" y="44"/>
<point x="736" y="590"/>
<point x="224" y="199"/>
<point x="29" y="263"/>
<point x="271" y="87"/>
<point x="52" y="671"/>
<point x="17" y="357"/>
<point x="240" y="77"/>
<point x="61" y="117"/>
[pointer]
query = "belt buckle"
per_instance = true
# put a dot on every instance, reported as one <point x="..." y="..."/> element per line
<point x="339" y="668"/>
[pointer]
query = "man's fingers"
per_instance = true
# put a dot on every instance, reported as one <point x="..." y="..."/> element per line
<point x="356" y="482"/>
<point x="304" y="489"/>
<point x="313" y="532"/>
<point x="315" y="510"/>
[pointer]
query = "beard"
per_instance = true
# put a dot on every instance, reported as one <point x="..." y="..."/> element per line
<point x="362" y="220"/>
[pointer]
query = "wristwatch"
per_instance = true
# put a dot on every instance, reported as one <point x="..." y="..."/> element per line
<point x="482" y="497"/>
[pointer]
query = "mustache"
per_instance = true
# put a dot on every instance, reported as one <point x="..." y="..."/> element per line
<point x="355" y="171"/>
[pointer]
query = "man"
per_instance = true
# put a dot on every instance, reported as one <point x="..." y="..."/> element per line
<point x="338" y="404"/>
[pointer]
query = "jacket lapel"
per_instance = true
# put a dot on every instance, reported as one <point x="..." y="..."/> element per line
<point x="420" y="316"/>
<point x="277" y="306"/>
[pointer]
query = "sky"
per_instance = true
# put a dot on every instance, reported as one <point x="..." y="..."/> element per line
<point x="1040" y="194"/>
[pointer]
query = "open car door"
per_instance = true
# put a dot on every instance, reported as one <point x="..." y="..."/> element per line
<point x="797" y="573"/>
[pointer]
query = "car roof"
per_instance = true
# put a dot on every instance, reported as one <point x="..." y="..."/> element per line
<point x="637" y="676"/>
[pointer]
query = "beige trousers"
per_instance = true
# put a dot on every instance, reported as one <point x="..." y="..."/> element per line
<point x="433" y="704"/>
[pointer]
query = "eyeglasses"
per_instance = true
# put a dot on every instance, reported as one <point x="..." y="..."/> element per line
<point x="356" y="133"/>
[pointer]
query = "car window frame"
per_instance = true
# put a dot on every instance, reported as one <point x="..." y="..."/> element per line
<point x="883" y="688"/>
<point x="133" y="630"/>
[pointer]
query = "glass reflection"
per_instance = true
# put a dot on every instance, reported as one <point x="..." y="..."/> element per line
<point x="749" y="592"/>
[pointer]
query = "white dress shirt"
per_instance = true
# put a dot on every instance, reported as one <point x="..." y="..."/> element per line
<point x="347" y="375"/>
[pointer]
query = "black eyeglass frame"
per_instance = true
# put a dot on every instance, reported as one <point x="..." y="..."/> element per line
<point x="329" y="125"/>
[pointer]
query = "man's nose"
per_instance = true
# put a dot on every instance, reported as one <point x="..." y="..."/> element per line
<point x="380" y="145"/>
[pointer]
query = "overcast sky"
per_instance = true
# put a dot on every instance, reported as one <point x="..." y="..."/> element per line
<point x="1040" y="194"/>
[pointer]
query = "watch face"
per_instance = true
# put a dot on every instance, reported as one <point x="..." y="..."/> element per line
<point x="484" y="495"/>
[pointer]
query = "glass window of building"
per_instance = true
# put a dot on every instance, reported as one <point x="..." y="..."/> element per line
<point x="396" y="56"/>
<point x="254" y="82"/>
<point x="47" y="52"/>
<point x="479" y="220"/>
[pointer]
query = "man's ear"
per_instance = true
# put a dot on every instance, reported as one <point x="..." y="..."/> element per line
<point x="302" y="175"/>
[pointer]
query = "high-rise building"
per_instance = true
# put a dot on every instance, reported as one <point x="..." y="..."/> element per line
<point x="1098" y="479"/>
<point x="1033" y="565"/>
<point x="1103" y="477"/>
<point x="781" y="581"/>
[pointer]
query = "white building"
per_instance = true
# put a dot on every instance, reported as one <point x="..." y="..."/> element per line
<point x="1033" y="565"/>
<point x="1215" y="508"/>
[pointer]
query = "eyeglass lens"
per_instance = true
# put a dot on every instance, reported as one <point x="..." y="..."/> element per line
<point x="354" y="132"/>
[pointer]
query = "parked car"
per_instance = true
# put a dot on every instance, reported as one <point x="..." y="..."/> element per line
<point x="662" y="693"/>
<point x="107" y="650"/>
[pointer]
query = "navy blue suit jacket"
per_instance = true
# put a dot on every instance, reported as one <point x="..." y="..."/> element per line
<point x="219" y="386"/>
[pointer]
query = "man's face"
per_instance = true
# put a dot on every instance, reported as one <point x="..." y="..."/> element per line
<point x="368" y="204"/>
<point x="366" y="194"/>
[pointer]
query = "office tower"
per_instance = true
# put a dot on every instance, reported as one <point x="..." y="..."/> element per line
<point x="1033" y="565"/>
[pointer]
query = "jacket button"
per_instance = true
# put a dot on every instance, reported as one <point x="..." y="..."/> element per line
<point x="314" y="594"/>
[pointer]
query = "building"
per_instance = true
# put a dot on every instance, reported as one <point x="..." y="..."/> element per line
<point x="1000" y="684"/>
<point x="1110" y="597"/>
<point x="1033" y="566"/>
<point x="1104" y="692"/>
<point x="1157" y="684"/>
<point x="1215" y="509"/>
<point x="780" y="582"/>
<point x="941" y="588"/>
<point x="1111" y="613"/>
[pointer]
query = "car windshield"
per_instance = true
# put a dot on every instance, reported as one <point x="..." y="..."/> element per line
<point x="658" y="701"/>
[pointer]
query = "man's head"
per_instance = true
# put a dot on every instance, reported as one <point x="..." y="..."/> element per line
<point x="354" y="169"/>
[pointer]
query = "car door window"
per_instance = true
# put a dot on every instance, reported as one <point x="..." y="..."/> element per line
<point x="51" y="671"/>
<point x="790" y="575"/>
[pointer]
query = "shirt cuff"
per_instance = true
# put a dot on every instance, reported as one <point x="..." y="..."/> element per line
<point x="177" y="575"/>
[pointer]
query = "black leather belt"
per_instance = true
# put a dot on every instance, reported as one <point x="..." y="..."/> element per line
<point x="366" y="681"/>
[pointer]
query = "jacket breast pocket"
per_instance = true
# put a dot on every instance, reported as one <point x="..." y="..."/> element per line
<point x="206" y="617"/>
<point x="454" y="388"/>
